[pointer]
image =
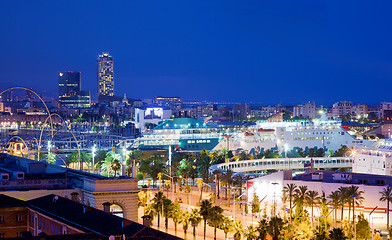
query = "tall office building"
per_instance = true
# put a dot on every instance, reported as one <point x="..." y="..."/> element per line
<point x="69" y="83"/>
<point x="70" y="94"/>
<point x="105" y="75"/>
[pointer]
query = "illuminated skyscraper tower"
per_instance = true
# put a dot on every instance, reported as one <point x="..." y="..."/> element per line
<point x="105" y="75"/>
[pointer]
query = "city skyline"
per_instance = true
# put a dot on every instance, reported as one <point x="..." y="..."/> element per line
<point x="240" y="52"/>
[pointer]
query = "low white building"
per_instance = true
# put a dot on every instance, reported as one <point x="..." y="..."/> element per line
<point x="374" y="160"/>
<point x="153" y="115"/>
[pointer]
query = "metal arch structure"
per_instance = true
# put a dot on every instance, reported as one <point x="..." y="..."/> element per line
<point x="42" y="130"/>
<point x="28" y="152"/>
<point x="27" y="89"/>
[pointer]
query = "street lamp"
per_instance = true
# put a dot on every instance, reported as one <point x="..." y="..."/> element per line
<point x="372" y="219"/>
<point x="286" y="146"/>
<point x="93" y="153"/>
<point x="49" y="147"/>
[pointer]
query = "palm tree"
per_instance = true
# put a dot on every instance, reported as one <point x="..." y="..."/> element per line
<point x="299" y="196"/>
<point x="226" y="225"/>
<point x="167" y="206"/>
<point x="185" y="219"/>
<point x="238" y="230"/>
<point x="336" y="234"/>
<point x="116" y="166"/>
<point x="262" y="229"/>
<point x="386" y="196"/>
<point x="275" y="227"/>
<point x="227" y="179"/>
<point x="205" y="212"/>
<point x="289" y="190"/>
<point x="343" y="199"/>
<point x="357" y="199"/>
<point x="335" y="199"/>
<point x="142" y="199"/>
<point x="175" y="214"/>
<point x="167" y="186"/>
<point x="195" y="220"/>
<point x="144" y="168"/>
<point x="215" y="218"/>
<point x="250" y="233"/>
<point x="311" y="199"/>
<point x="203" y="163"/>
<point x="157" y="204"/>
<point x="150" y="211"/>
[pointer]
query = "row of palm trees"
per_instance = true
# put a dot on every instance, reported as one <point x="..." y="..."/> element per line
<point x="207" y="213"/>
<point x="302" y="197"/>
<point x="342" y="198"/>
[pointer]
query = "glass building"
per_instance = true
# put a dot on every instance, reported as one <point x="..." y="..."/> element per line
<point x="105" y="75"/>
<point x="69" y="83"/>
<point x="70" y="94"/>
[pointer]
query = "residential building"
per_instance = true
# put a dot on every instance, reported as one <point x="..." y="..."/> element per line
<point x="361" y="110"/>
<point x="173" y="103"/>
<point x="342" y="108"/>
<point x="305" y="110"/>
<point x="105" y="75"/>
<point x="385" y="106"/>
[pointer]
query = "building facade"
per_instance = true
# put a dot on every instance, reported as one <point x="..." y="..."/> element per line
<point x="70" y="94"/>
<point x="105" y="75"/>
<point x="69" y="83"/>
<point x="342" y="108"/>
<point x="28" y="179"/>
<point x="173" y="103"/>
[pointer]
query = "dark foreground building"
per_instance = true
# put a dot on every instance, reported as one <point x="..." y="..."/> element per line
<point x="55" y="217"/>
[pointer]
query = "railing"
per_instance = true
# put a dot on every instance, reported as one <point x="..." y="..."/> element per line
<point x="284" y="163"/>
<point x="32" y="183"/>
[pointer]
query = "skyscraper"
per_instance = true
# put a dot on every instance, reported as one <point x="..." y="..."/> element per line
<point x="105" y="75"/>
<point x="69" y="83"/>
<point x="70" y="94"/>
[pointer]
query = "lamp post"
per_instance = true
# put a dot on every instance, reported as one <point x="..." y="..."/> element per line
<point x="372" y="220"/>
<point x="93" y="154"/>
<point x="285" y="154"/>
<point x="49" y="147"/>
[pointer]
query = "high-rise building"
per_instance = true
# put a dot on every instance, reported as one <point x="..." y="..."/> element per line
<point x="69" y="83"/>
<point x="105" y="75"/>
<point x="70" y="94"/>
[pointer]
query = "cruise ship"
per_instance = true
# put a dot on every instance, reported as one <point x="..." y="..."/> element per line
<point x="188" y="134"/>
<point x="318" y="133"/>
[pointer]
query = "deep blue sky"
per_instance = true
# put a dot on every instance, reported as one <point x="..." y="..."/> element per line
<point x="262" y="51"/>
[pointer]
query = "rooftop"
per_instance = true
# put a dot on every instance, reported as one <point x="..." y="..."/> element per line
<point x="87" y="219"/>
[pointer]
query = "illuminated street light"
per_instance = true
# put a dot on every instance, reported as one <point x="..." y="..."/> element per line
<point x="93" y="153"/>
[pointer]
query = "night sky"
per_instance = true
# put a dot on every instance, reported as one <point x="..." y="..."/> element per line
<point x="267" y="52"/>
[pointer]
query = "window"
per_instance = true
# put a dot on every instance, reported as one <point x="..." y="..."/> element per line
<point x="2" y="219"/>
<point x="19" y="217"/>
